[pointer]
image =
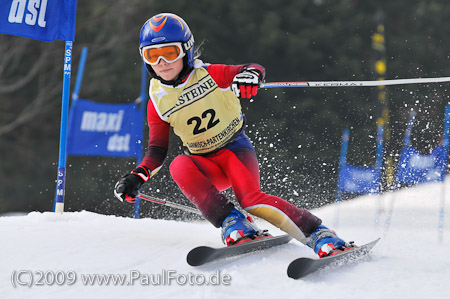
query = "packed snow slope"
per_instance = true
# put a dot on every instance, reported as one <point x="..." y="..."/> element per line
<point x="62" y="252"/>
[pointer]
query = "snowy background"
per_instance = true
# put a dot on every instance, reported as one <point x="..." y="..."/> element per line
<point x="410" y="261"/>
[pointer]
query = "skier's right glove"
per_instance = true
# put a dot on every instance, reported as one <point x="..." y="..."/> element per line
<point x="127" y="188"/>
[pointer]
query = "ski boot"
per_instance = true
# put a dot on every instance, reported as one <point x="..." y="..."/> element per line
<point x="325" y="242"/>
<point x="236" y="229"/>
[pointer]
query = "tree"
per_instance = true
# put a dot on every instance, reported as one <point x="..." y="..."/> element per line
<point x="296" y="131"/>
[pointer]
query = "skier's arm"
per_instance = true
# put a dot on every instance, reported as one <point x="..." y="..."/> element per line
<point x="224" y="75"/>
<point x="127" y="187"/>
<point x="158" y="141"/>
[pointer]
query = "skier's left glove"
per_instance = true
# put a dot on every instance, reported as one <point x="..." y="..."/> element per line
<point x="127" y="188"/>
<point x="246" y="83"/>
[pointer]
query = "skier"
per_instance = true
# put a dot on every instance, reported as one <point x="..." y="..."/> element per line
<point x="201" y="102"/>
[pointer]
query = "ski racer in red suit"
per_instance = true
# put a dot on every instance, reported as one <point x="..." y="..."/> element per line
<point x="201" y="102"/>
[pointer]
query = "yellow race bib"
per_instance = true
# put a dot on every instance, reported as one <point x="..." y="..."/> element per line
<point x="203" y="115"/>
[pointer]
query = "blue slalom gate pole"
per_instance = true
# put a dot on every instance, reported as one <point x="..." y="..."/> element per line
<point x="142" y="97"/>
<point x="379" y="154"/>
<point x="342" y="162"/>
<point x="406" y="141"/>
<point x="61" y="176"/>
<point x="379" y="165"/>
<point x="75" y="96"/>
<point x="446" y="150"/>
<point x="446" y="134"/>
<point x="76" y="90"/>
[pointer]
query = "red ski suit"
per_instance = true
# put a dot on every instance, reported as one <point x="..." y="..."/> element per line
<point x="201" y="178"/>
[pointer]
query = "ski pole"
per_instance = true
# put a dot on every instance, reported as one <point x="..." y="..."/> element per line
<point x="168" y="203"/>
<point x="354" y="83"/>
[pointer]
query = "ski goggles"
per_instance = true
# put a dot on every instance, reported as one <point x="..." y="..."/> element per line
<point x="170" y="52"/>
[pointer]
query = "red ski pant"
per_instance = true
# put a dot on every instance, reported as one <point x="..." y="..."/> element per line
<point x="201" y="178"/>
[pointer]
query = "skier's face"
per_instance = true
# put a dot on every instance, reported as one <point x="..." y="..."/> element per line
<point x="168" y="71"/>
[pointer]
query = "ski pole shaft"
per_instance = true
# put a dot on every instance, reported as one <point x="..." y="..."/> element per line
<point x="169" y="203"/>
<point x="354" y="83"/>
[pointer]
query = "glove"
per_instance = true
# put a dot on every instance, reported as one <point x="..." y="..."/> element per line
<point x="127" y="188"/>
<point x="246" y="83"/>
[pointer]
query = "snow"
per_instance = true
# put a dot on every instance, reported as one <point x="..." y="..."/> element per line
<point x="410" y="261"/>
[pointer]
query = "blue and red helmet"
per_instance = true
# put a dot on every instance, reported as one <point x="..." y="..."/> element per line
<point x="168" y="28"/>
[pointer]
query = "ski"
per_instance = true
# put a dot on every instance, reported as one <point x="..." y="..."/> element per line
<point x="304" y="266"/>
<point x="204" y="254"/>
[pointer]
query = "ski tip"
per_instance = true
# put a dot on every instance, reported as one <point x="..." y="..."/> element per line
<point x="299" y="267"/>
<point x="199" y="255"/>
<point x="303" y="266"/>
<point x="290" y="271"/>
<point x="374" y="242"/>
<point x="204" y="254"/>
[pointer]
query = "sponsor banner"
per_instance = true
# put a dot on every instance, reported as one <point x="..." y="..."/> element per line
<point x="415" y="167"/>
<point x="359" y="180"/>
<point x="45" y="20"/>
<point x="101" y="129"/>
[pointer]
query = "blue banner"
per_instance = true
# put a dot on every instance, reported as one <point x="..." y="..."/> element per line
<point x="44" y="20"/>
<point x="359" y="180"/>
<point x="415" y="167"/>
<point x="101" y="129"/>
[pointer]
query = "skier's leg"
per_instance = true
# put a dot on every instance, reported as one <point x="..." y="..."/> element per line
<point x="241" y="167"/>
<point x="299" y="223"/>
<point x="200" y="181"/>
